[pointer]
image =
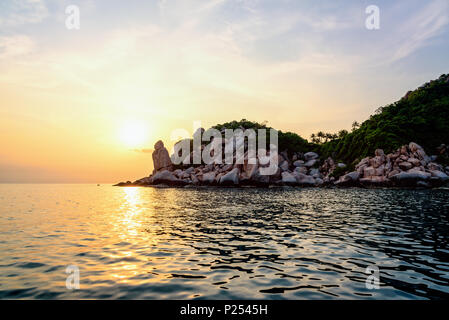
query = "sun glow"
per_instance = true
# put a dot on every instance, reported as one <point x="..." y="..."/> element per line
<point x="134" y="134"/>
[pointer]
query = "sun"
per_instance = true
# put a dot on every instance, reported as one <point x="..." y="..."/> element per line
<point x="133" y="134"/>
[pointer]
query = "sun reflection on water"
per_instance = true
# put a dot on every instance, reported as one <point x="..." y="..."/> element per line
<point x="131" y="209"/>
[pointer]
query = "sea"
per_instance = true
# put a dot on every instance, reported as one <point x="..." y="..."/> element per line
<point x="75" y="241"/>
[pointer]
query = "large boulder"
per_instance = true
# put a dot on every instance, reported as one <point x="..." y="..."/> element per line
<point x="230" y="178"/>
<point x="161" y="158"/>
<point x="410" y="178"/>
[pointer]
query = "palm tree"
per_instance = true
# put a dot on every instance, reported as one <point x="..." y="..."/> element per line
<point x="320" y="135"/>
<point x="342" y="133"/>
<point x="355" y="125"/>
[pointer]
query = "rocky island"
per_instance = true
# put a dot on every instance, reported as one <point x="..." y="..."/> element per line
<point x="409" y="166"/>
<point x="377" y="153"/>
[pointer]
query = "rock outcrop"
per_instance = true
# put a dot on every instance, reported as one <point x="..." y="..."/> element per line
<point x="161" y="158"/>
<point x="408" y="166"/>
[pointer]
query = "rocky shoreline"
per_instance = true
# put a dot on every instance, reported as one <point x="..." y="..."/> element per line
<point x="409" y="166"/>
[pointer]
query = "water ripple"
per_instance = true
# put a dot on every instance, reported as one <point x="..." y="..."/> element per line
<point x="212" y="243"/>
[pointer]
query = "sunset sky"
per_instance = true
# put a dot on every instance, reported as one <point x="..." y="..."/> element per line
<point x="88" y="105"/>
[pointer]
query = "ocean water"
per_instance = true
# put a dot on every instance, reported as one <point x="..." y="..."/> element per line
<point x="211" y="243"/>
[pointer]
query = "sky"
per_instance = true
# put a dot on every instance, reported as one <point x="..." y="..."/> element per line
<point x="87" y="105"/>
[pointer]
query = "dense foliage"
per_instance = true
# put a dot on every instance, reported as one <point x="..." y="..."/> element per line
<point x="421" y="116"/>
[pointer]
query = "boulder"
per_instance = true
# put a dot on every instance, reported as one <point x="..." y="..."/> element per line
<point x="439" y="174"/>
<point x="227" y="167"/>
<point x="393" y="173"/>
<point x="403" y="150"/>
<point x="310" y="163"/>
<point x="354" y="176"/>
<point x="410" y="178"/>
<point x="379" y="153"/>
<point x="434" y="166"/>
<point x="304" y="179"/>
<point x="302" y="170"/>
<point x="415" y="162"/>
<point x="310" y="156"/>
<point x="230" y="178"/>
<point x="298" y="163"/>
<point x="189" y="170"/>
<point x="288" y="178"/>
<point x="161" y="158"/>
<point x="194" y="179"/>
<point x="369" y="171"/>
<point x="405" y="165"/>
<point x="341" y="165"/>
<point x="349" y="179"/>
<point x="363" y="162"/>
<point x="378" y="161"/>
<point x="414" y="147"/>
<point x="165" y="177"/>
<point x="209" y="177"/>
